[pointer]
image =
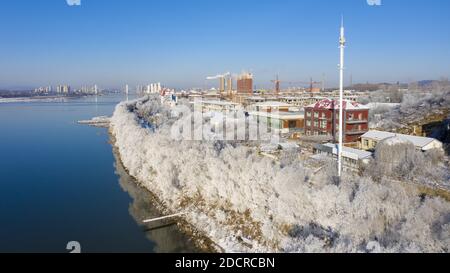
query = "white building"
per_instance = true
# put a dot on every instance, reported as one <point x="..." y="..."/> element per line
<point x="154" y="88"/>
<point x="272" y="106"/>
<point x="215" y="105"/>
<point x="282" y="122"/>
<point x="370" y="140"/>
<point x="351" y="157"/>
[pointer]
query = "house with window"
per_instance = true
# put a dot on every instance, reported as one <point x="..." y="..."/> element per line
<point x="215" y="106"/>
<point x="271" y="106"/>
<point x="370" y="140"/>
<point x="322" y="118"/>
<point x="289" y="123"/>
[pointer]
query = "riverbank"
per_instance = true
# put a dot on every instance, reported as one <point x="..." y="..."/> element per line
<point x="247" y="203"/>
<point x="169" y="236"/>
<point x="56" y="98"/>
<point x="213" y="220"/>
<point x="139" y="191"/>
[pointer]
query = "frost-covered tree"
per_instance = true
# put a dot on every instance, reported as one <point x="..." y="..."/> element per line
<point x="232" y="194"/>
<point x="399" y="159"/>
<point x="395" y="157"/>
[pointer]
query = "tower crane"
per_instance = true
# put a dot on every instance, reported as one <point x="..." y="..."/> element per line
<point x="221" y="78"/>
<point x="218" y="76"/>
<point x="311" y="84"/>
<point x="277" y="85"/>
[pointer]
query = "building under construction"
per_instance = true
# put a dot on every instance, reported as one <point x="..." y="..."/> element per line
<point x="225" y="83"/>
<point x="245" y="84"/>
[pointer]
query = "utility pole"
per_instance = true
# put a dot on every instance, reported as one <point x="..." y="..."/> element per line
<point x="341" y="98"/>
<point x="323" y="82"/>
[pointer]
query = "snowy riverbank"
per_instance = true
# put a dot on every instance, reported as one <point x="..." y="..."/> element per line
<point x="245" y="202"/>
<point x="101" y="121"/>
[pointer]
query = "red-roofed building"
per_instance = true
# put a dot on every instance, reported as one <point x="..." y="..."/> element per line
<point x="322" y="118"/>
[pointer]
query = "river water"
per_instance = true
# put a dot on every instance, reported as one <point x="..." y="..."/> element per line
<point x="61" y="181"/>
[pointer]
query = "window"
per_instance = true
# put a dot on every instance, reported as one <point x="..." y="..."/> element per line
<point x="316" y="114"/>
<point x="366" y="143"/>
<point x="316" y="124"/>
<point x="324" y="115"/>
<point x="308" y="123"/>
<point x="323" y="124"/>
<point x="292" y="124"/>
<point x="308" y="114"/>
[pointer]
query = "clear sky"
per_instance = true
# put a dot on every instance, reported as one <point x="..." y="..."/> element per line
<point x="180" y="42"/>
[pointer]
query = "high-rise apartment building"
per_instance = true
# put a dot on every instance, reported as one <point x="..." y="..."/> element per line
<point x="229" y="85"/>
<point x="222" y="84"/>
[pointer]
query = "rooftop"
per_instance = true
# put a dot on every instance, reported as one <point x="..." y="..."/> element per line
<point x="255" y="98"/>
<point x="296" y="97"/>
<point x="216" y="102"/>
<point x="334" y="104"/>
<point x="280" y="115"/>
<point x="416" y="140"/>
<point x="347" y="151"/>
<point x="272" y="104"/>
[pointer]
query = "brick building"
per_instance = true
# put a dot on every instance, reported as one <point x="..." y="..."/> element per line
<point x="245" y="84"/>
<point x="322" y="118"/>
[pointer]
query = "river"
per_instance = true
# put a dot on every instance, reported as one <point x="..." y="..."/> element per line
<point x="61" y="181"/>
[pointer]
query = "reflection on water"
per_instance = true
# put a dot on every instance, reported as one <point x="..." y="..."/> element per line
<point x="58" y="184"/>
<point x="164" y="234"/>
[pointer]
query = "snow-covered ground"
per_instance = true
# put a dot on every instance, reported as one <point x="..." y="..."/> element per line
<point x="101" y="121"/>
<point x="246" y="202"/>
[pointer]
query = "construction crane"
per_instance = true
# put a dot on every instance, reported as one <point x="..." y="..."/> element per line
<point x="221" y="78"/>
<point x="218" y="76"/>
<point x="277" y="85"/>
<point x="311" y="84"/>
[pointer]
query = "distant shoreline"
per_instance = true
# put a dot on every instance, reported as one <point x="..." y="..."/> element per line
<point x="37" y="98"/>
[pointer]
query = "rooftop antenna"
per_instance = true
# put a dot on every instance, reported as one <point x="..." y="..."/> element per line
<point x="341" y="97"/>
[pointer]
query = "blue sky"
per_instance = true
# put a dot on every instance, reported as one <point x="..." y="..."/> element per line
<point x="180" y="42"/>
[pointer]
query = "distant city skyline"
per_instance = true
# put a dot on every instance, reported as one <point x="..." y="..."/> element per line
<point x="180" y="43"/>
